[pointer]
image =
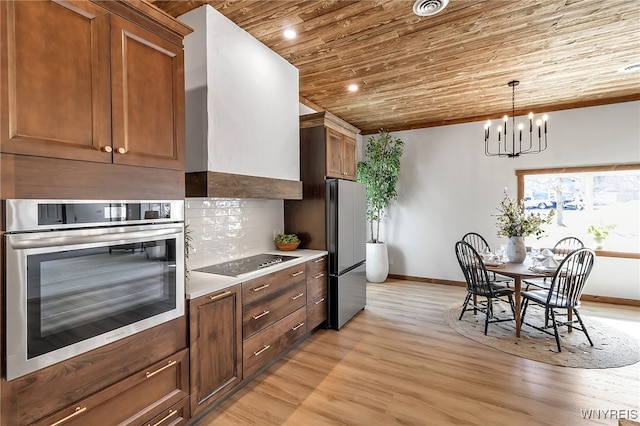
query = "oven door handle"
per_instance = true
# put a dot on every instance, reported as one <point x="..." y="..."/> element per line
<point x="91" y="239"/>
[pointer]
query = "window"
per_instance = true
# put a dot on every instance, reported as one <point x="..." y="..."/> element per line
<point x="606" y="197"/>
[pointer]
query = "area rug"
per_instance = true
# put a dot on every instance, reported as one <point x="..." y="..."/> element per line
<point x="612" y="347"/>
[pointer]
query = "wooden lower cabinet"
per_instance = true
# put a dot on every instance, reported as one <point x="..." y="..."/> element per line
<point x="149" y="394"/>
<point x="316" y="292"/>
<point x="216" y="346"/>
<point x="273" y="316"/>
<point x="176" y="415"/>
<point x="264" y="346"/>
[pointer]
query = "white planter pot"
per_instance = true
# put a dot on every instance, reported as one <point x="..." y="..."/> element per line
<point x="516" y="250"/>
<point x="377" y="262"/>
<point x="599" y="243"/>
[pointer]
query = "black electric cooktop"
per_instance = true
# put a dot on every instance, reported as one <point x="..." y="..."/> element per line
<point x="236" y="267"/>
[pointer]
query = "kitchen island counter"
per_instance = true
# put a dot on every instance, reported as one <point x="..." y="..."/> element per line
<point x="202" y="283"/>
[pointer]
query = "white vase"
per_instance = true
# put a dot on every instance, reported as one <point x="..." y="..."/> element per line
<point x="599" y="243"/>
<point x="377" y="267"/>
<point x="516" y="250"/>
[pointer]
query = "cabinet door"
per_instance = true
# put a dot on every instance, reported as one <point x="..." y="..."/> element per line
<point x="147" y="74"/>
<point x="216" y="346"/>
<point x="349" y="157"/>
<point x="55" y="98"/>
<point x="334" y="154"/>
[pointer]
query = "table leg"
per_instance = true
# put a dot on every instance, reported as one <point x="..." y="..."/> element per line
<point x="516" y="296"/>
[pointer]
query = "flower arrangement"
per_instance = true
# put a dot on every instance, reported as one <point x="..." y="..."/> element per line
<point x="514" y="222"/>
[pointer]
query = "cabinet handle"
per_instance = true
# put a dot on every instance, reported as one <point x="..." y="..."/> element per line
<point x="255" y="317"/>
<point x="319" y="301"/>
<point x="261" y="287"/>
<point x="297" y="273"/>
<point x="121" y="150"/>
<point x="171" y="413"/>
<point x="297" y="326"/>
<point x="299" y="295"/>
<point x="107" y="149"/>
<point x="170" y="364"/>
<point x="319" y="260"/>
<point x="261" y="350"/>
<point x="70" y="416"/>
<point x="218" y="296"/>
<point x="320" y="275"/>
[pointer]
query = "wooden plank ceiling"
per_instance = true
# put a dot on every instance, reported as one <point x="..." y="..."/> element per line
<point x="453" y="67"/>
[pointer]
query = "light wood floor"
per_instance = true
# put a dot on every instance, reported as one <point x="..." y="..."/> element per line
<point x="398" y="363"/>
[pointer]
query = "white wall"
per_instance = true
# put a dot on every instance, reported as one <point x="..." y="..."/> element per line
<point x="448" y="187"/>
<point x="241" y="101"/>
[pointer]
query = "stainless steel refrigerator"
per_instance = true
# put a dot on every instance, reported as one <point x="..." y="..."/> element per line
<point x="346" y="229"/>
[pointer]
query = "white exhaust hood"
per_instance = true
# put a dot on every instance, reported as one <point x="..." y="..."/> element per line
<point x="242" y="126"/>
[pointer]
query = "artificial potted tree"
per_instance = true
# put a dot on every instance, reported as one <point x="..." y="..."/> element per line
<point x="379" y="172"/>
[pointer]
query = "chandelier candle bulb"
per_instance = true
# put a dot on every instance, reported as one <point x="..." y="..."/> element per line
<point x="520" y="127"/>
<point x="530" y="122"/>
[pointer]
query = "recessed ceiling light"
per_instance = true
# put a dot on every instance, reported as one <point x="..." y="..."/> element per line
<point x="630" y="67"/>
<point x="289" y="34"/>
<point x="429" y="7"/>
<point x="353" y="87"/>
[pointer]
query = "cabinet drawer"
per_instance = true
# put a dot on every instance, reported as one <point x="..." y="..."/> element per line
<point x="176" y="415"/>
<point x="264" y="346"/>
<point x="316" y="285"/>
<point x="316" y="266"/>
<point x="134" y="400"/>
<point x="265" y="311"/>
<point x="316" y="312"/>
<point x="263" y="286"/>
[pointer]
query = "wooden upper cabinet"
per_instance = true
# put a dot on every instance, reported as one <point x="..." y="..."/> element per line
<point x="55" y="80"/>
<point x="339" y="145"/>
<point x="147" y="77"/>
<point x="349" y="159"/>
<point x="341" y="155"/>
<point x="80" y="82"/>
<point x="334" y="154"/>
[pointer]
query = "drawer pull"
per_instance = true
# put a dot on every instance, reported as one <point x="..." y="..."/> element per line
<point x="218" y="296"/>
<point x="297" y="273"/>
<point x="297" y="296"/>
<point x="262" y="287"/>
<point x="79" y="410"/>
<point x="170" y="364"/>
<point x="255" y="317"/>
<point x="297" y="326"/>
<point x="320" y="275"/>
<point x="167" y="417"/>
<point x="319" y="260"/>
<point x="261" y="350"/>
<point x="320" y="301"/>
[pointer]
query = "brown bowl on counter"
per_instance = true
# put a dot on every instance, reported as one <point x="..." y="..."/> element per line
<point x="288" y="246"/>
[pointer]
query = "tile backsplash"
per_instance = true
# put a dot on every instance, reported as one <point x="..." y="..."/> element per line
<point x="229" y="228"/>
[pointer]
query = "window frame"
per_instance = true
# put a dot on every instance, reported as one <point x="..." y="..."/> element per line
<point x="521" y="173"/>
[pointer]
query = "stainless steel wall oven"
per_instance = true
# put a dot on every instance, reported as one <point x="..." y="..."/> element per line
<point x="82" y="274"/>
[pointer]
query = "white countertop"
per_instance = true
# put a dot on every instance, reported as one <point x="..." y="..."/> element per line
<point x="202" y="283"/>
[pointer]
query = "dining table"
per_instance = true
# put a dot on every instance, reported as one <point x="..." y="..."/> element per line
<point x="518" y="271"/>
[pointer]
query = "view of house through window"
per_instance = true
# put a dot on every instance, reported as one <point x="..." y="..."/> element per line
<point x="599" y="205"/>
